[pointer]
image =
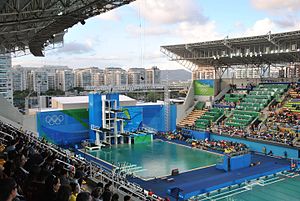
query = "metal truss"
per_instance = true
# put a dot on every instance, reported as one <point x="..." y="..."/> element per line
<point x="191" y="66"/>
<point x="39" y="25"/>
<point x="280" y="48"/>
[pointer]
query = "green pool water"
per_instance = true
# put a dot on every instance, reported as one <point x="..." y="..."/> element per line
<point x="157" y="158"/>
<point x="286" y="190"/>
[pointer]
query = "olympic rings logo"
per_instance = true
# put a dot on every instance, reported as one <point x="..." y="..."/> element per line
<point x="54" y="119"/>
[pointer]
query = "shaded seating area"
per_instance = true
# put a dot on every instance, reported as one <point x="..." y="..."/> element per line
<point x="248" y="109"/>
<point x="241" y="119"/>
<point x="233" y="98"/>
<point x="208" y="117"/>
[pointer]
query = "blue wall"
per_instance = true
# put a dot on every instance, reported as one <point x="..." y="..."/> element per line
<point x="256" y="146"/>
<point x="154" y="116"/>
<point x="238" y="162"/>
<point x="223" y="165"/>
<point x="134" y="116"/>
<point x="63" y="127"/>
<point x="198" y="135"/>
<point x="95" y="113"/>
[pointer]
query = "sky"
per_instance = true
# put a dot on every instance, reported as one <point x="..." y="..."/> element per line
<point x="131" y="35"/>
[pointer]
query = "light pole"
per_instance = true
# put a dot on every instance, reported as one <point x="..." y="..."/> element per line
<point x="26" y="102"/>
<point x="38" y="94"/>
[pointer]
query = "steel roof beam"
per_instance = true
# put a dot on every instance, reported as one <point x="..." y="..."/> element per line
<point x="22" y="21"/>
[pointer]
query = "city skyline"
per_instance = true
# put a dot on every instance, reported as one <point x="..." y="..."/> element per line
<point x="64" y="79"/>
<point x="131" y="36"/>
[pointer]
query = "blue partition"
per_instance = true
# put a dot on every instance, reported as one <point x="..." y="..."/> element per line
<point x="223" y="165"/>
<point x="198" y="135"/>
<point x="258" y="146"/>
<point x="236" y="162"/>
<point x="241" y="161"/>
<point x="154" y="116"/>
<point x="95" y="113"/>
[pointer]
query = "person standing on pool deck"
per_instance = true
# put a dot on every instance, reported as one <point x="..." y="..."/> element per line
<point x="264" y="150"/>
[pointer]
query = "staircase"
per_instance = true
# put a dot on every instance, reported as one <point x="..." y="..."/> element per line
<point x="191" y="118"/>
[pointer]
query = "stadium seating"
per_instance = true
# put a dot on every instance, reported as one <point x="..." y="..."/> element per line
<point x="293" y="105"/>
<point x="199" y="106"/>
<point x="208" y="117"/>
<point x="248" y="109"/>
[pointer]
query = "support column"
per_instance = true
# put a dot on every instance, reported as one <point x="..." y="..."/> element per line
<point x="97" y="141"/>
<point x="115" y="129"/>
<point x="104" y="136"/>
<point x="121" y="126"/>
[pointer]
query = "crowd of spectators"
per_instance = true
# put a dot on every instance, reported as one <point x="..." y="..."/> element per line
<point x="226" y="147"/>
<point x="281" y="126"/>
<point x="180" y="135"/>
<point x="33" y="170"/>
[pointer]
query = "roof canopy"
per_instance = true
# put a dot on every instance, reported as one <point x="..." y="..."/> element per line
<point x="41" y="24"/>
<point x="265" y="49"/>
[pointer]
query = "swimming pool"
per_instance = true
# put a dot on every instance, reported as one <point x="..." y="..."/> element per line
<point x="286" y="190"/>
<point x="158" y="158"/>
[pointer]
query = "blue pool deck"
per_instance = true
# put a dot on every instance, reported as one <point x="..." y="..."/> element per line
<point x="208" y="179"/>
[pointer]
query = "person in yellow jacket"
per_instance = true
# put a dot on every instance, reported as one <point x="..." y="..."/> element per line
<point x="75" y="190"/>
<point x="227" y="150"/>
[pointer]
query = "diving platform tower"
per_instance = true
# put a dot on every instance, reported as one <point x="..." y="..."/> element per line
<point x="105" y="126"/>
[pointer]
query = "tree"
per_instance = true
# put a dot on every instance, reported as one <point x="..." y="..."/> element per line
<point x="152" y="97"/>
<point x="52" y="92"/>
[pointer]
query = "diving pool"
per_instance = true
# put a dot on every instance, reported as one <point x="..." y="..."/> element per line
<point x="287" y="190"/>
<point x="156" y="159"/>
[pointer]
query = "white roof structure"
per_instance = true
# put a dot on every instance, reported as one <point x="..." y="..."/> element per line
<point x="84" y="99"/>
<point x="76" y="102"/>
<point x="151" y="103"/>
<point x="71" y="100"/>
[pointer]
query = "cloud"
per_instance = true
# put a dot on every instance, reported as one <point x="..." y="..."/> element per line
<point x="170" y="11"/>
<point x="183" y="21"/>
<point x="287" y="22"/>
<point x="261" y="27"/>
<point x="285" y="12"/>
<point x="277" y="6"/>
<point x="76" y="48"/>
<point x="196" y="32"/>
<point x="181" y="32"/>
